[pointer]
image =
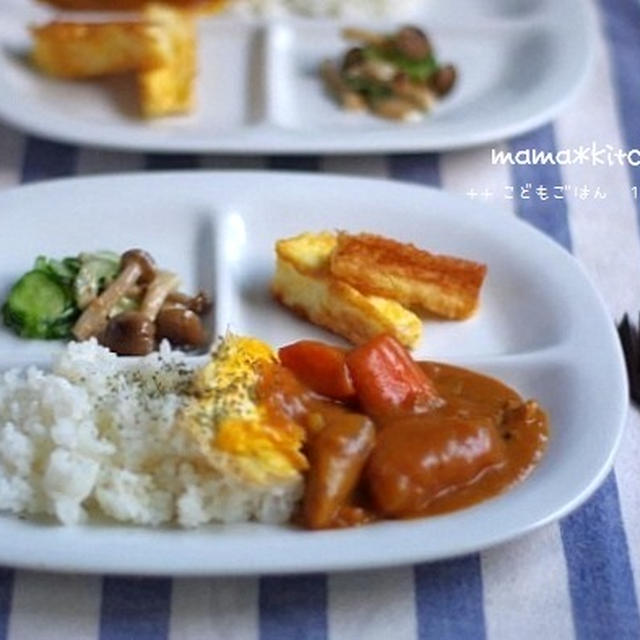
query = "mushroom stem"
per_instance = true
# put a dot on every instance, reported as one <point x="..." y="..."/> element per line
<point x="365" y="36"/>
<point x="350" y="99"/>
<point x="200" y="303"/>
<point x="158" y="290"/>
<point x="94" y="318"/>
<point x="133" y="333"/>
<point x="395" y="108"/>
<point x="136" y="265"/>
<point x="421" y="96"/>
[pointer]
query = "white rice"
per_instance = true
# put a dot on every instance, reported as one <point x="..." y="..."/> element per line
<point x="95" y="437"/>
<point x="352" y="9"/>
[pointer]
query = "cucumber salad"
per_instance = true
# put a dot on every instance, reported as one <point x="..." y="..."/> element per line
<point x="124" y="301"/>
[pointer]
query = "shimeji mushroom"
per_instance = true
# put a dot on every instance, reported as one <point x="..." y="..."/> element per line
<point x="200" y="303"/>
<point x="351" y="100"/>
<point x="443" y="79"/>
<point x="181" y="326"/>
<point x="420" y="95"/>
<point x="134" y="332"/>
<point x="412" y="43"/>
<point x="136" y="266"/>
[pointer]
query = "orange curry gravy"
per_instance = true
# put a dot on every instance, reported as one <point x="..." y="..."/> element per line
<point x="505" y="438"/>
<point x="482" y="439"/>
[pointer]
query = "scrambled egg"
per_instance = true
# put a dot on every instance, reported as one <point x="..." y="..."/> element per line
<point x="234" y="429"/>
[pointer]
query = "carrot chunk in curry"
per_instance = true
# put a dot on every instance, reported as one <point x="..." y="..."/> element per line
<point x="321" y="367"/>
<point x="387" y="380"/>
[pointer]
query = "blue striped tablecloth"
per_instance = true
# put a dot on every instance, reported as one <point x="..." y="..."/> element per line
<point x="577" y="578"/>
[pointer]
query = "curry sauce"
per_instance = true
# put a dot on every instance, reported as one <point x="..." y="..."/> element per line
<point x="482" y="439"/>
<point x="509" y="435"/>
<point x="474" y="439"/>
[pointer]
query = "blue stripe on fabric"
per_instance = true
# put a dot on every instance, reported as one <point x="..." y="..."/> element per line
<point x="549" y="216"/>
<point x="449" y="602"/>
<point x="294" y="163"/>
<point x="6" y="595"/>
<point x="421" y="168"/>
<point x="595" y="545"/>
<point x="169" y="162"/>
<point x="293" y="607"/>
<point x="45" y="159"/>
<point x="135" y="608"/>
<point x="600" y="576"/>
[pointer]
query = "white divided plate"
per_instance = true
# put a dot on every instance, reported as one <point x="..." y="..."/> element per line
<point x="541" y="328"/>
<point x="519" y="61"/>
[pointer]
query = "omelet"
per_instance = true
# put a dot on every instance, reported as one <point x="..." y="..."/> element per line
<point x="237" y="432"/>
<point x="170" y="88"/>
<point x="78" y="50"/>
<point x="159" y="46"/>
<point x="304" y="283"/>
<point x="206" y="6"/>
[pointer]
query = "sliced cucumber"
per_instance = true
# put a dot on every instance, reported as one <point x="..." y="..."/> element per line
<point x="96" y="271"/>
<point x="39" y="306"/>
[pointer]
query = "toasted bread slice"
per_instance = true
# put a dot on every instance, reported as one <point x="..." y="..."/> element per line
<point x="303" y="283"/>
<point x="86" y="50"/>
<point x="439" y="284"/>
<point x="170" y="88"/>
<point x="132" y="5"/>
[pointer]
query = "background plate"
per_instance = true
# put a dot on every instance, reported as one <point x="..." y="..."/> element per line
<point x="541" y="328"/>
<point x="519" y="63"/>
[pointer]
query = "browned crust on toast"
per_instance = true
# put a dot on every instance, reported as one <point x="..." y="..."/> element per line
<point x="439" y="284"/>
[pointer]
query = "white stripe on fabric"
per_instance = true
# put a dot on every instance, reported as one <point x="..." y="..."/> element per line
<point x="217" y="609"/>
<point x="369" y="166"/>
<point x="100" y="161"/>
<point x="49" y="607"/>
<point x="525" y="588"/>
<point x="376" y="605"/>
<point x="11" y="153"/>
<point x="610" y="252"/>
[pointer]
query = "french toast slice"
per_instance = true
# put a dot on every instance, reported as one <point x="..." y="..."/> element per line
<point x="170" y="88"/>
<point x="78" y="50"/>
<point x="132" y="5"/>
<point x="303" y="282"/>
<point x="439" y="284"/>
<point x="159" y="46"/>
